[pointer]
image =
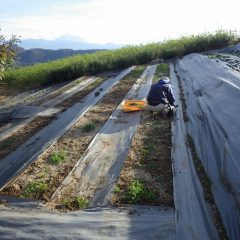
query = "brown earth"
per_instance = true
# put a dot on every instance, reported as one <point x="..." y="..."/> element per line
<point x="13" y="142"/>
<point x="73" y="144"/>
<point x="149" y="162"/>
<point x="5" y="92"/>
<point x="81" y="94"/>
<point x="59" y="91"/>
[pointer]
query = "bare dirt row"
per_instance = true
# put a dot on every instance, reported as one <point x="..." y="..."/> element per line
<point x="13" y="142"/>
<point x="23" y="133"/>
<point x="147" y="174"/>
<point x="42" y="177"/>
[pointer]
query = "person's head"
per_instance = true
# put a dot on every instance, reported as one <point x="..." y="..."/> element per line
<point x="164" y="79"/>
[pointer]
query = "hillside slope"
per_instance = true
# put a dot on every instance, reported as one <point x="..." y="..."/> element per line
<point x="39" y="55"/>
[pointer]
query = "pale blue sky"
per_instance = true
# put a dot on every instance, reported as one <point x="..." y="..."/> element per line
<point x="118" y="21"/>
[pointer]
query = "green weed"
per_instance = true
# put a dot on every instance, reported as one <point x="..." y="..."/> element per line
<point x="146" y="151"/>
<point x="57" y="157"/>
<point x="138" y="192"/>
<point x="117" y="189"/>
<point x="81" y="202"/>
<point x="151" y="165"/>
<point x="35" y="189"/>
<point x="89" y="127"/>
<point x="66" y="203"/>
<point x="6" y="143"/>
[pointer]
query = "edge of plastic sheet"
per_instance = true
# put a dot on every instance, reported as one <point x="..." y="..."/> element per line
<point x="212" y="92"/>
<point x="193" y="219"/>
<point x="17" y="161"/>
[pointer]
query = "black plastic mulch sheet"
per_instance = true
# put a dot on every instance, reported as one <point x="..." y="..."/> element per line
<point x="212" y="92"/>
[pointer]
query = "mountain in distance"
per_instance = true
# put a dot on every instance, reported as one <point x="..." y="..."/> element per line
<point x="39" y="55"/>
<point x="66" y="42"/>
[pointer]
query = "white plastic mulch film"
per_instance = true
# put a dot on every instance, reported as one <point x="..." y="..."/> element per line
<point x="212" y="92"/>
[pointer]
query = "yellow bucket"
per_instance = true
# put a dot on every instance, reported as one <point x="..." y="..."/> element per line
<point x="133" y="105"/>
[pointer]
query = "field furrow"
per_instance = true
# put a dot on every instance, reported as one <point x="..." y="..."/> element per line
<point x="93" y="177"/>
<point x="72" y="93"/>
<point x="18" y="160"/>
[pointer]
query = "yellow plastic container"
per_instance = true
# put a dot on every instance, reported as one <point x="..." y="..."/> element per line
<point x="133" y="105"/>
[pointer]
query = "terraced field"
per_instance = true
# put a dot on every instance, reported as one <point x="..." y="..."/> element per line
<point x="73" y="164"/>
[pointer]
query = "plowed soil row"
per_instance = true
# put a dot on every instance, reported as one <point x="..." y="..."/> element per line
<point x="81" y="94"/>
<point x="5" y="92"/>
<point x="12" y="143"/>
<point x="59" y="91"/>
<point x="42" y="177"/>
<point x="147" y="174"/>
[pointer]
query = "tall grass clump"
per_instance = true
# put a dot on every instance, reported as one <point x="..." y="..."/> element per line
<point x="72" y="67"/>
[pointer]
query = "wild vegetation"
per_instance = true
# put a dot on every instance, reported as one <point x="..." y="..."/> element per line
<point x="76" y="66"/>
<point x="7" y="52"/>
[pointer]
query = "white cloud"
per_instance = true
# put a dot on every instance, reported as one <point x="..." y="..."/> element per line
<point x="128" y="21"/>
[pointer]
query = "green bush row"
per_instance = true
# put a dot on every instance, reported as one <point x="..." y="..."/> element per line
<point x="72" y="67"/>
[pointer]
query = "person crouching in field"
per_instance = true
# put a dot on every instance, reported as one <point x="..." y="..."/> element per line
<point x="160" y="98"/>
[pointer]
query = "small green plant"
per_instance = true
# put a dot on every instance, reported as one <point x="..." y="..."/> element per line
<point x="66" y="203"/>
<point x="35" y="189"/>
<point x="117" y="189"/>
<point x="160" y="178"/>
<point x="57" y="157"/>
<point x="81" y="202"/>
<point x="146" y="150"/>
<point x="6" y="143"/>
<point x="151" y="165"/>
<point x="135" y="192"/>
<point x="88" y="127"/>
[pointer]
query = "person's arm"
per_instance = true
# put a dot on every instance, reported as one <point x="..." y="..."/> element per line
<point x="170" y="96"/>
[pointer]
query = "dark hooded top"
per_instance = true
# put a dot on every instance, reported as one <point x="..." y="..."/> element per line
<point x="161" y="92"/>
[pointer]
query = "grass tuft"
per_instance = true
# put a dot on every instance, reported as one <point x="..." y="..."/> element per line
<point x="89" y="127"/>
<point x="35" y="189"/>
<point x="138" y="192"/>
<point x="57" y="157"/>
<point x="81" y="202"/>
<point x="76" y="203"/>
<point x="6" y="143"/>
